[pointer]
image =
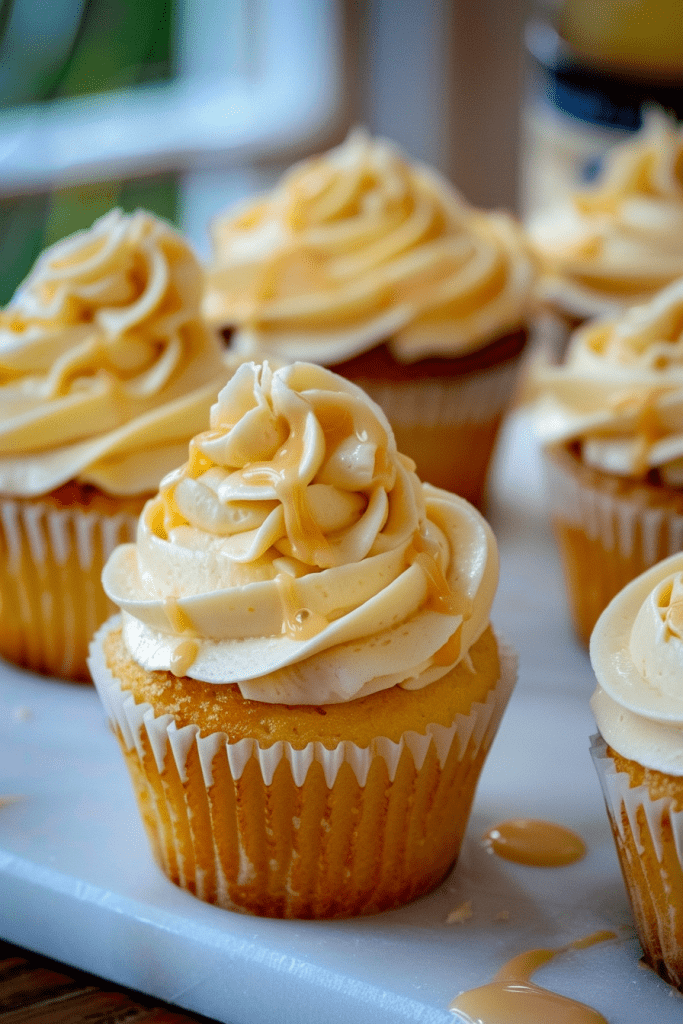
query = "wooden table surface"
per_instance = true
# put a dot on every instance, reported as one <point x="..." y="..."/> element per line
<point x="35" y="990"/>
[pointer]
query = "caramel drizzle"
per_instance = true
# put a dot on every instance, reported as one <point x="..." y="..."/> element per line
<point x="297" y="623"/>
<point x="536" y="843"/>
<point x="440" y="597"/>
<point x="511" y="998"/>
<point x="179" y="620"/>
<point x="309" y="543"/>
<point x="186" y="651"/>
<point x="183" y="657"/>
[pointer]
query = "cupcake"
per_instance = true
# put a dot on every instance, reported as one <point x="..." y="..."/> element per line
<point x="612" y="420"/>
<point x="376" y="268"/>
<point x="303" y="679"/>
<point x="106" y="371"/>
<point x="620" y="240"/>
<point x="637" y="654"/>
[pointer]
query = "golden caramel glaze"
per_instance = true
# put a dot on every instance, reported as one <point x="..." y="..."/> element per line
<point x="388" y="713"/>
<point x="512" y="998"/>
<point x="534" y="842"/>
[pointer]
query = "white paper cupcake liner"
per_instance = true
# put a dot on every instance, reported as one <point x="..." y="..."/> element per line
<point x="613" y="521"/>
<point x="478" y="727"/>
<point x="621" y="796"/>
<point x="50" y="583"/>
<point x="644" y="826"/>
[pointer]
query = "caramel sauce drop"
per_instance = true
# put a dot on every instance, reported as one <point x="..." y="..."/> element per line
<point x="440" y="597"/>
<point x="183" y="656"/>
<point x="540" y="844"/>
<point x="449" y="653"/>
<point x="179" y="621"/>
<point x="511" y="998"/>
<point x="298" y="623"/>
<point x="309" y="543"/>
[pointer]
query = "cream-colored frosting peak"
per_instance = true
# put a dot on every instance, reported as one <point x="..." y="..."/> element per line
<point x="637" y="655"/>
<point x="106" y="366"/>
<point x="359" y="246"/>
<point x="617" y="243"/>
<point x="620" y="391"/>
<point x="297" y="554"/>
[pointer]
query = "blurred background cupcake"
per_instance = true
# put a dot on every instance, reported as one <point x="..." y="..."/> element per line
<point x="618" y="241"/>
<point x="611" y="416"/>
<point x="106" y="370"/>
<point x="637" y="655"/>
<point x="304" y="680"/>
<point x="375" y="267"/>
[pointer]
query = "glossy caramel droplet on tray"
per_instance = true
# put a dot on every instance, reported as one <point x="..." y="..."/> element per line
<point x="511" y="998"/>
<point x="537" y="843"/>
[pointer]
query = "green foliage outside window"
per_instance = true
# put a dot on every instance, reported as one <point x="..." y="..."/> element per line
<point x="108" y="44"/>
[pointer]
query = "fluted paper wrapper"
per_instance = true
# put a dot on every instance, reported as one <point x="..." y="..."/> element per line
<point x="314" y="832"/>
<point x="605" y="540"/>
<point x="648" y="835"/>
<point x="448" y="425"/>
<point x="51" y="597"/>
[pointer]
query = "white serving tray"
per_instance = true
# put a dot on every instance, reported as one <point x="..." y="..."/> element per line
<point x="77" y="882"/>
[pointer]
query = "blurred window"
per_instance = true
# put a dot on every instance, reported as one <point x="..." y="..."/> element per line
<point x="117" y="103"/>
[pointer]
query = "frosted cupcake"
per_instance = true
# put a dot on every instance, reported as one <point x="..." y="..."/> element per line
<point x="618" y="242"/>
<point x="303" y="680"/>
<point x="637" y="654"/>
<point x="106" y="370"/>
<point x="374" y="266"/>
<point x="612" y="419"/>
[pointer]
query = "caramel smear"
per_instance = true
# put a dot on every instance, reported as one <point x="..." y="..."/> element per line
<point x="541" y="844"/>
<point x="178" y="620"/>
<point x="183" y="656"/>
<point x="297" y="622"/>
<point x="511" y="998"/>
<point x="460" y="914"/>
<point x="5" y="801"/>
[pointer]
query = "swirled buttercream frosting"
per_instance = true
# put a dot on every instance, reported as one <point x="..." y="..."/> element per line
<point x="357" y="247"/>
<point x="107" y="368"/>
<point x="619" y="393"/>
<point x="297" y="555"/>
<point x="637" y="654"/>
<point x="615" y="244"/>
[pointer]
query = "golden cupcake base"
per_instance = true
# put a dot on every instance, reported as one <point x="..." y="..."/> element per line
<point x="608" y="530"/>
<point x="645" y="809"/>
<point x="52" y="551"/>
<point x="257" y="817"/>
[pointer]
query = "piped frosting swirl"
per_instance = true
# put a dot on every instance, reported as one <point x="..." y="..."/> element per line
<point x="616" y="243"/>
<point x="300" y="553"/>
<point x="357" y="247"/>
<point x="106" y="365"/>
<point x="619" y="393"/>
<point x="637" y="655"/>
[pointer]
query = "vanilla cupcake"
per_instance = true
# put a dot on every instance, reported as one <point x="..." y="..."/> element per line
<point x="637" y="654"/>
<point x="612" y="420"/>
<point x="106" y="370"/>
<point x="303" y="680"/>
<point x="619" y="241"/>
<point x="375" y="267"/>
